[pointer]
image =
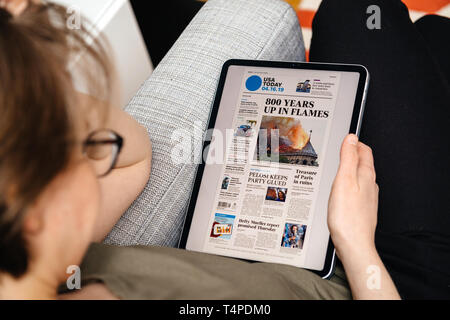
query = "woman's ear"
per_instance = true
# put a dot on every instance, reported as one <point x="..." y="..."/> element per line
<point x="34" y="220"/>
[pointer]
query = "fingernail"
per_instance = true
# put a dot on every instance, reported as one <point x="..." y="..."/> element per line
<point x="353" y="139"/>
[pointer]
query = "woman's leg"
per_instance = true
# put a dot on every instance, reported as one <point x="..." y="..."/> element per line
<point x="406" y="123"/>
<point x="435" y="30"/>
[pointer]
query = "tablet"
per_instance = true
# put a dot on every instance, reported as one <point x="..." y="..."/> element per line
<point x="270" y="157"/>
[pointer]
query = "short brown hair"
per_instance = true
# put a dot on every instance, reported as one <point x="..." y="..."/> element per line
<point x="36" y="129"/>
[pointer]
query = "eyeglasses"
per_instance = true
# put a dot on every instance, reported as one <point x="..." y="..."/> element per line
<point x="102" y="149"/>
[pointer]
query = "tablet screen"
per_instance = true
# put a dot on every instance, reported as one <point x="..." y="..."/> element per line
<point x="271" y="163"/>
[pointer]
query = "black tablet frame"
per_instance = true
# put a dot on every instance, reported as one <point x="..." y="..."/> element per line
<point x="355" y="126"/>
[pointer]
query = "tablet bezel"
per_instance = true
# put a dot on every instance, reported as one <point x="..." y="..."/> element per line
<point x="355" y="127"/>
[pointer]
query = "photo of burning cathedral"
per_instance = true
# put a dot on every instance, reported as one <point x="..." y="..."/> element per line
<point x="294" y="144"/>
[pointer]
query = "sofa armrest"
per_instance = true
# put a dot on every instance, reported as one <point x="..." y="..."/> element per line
<point x="179" y="95"/>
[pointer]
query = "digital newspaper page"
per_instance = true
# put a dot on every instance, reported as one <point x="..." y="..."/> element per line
<point x="266" y="196"/>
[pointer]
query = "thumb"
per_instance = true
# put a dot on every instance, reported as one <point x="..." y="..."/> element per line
<point x="349" y="157"/>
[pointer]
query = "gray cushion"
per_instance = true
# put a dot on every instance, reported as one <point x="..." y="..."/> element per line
<point x="179" y="95"/>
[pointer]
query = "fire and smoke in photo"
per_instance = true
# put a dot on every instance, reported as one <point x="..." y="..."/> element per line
<point x="294" y="142"/>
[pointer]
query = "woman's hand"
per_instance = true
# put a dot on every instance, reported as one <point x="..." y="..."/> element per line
<point x="352" y="219"/>
<point x="353" y="204"/>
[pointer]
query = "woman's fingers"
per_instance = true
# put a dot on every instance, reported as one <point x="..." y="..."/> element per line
<point x="357" y="164"/>
<point x="366" y="167"/>
<point x="348" y="167"/>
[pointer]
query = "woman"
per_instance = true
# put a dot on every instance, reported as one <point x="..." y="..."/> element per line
<point x="294" y="237"/>
<point x="53" y="204"/>
<point x="281" y="196"/>
<point x="47" y="131"/>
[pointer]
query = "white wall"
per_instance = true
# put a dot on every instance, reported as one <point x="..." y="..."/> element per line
<point x="116" y="20"/>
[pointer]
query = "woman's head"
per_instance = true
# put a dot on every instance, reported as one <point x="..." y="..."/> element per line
<point x="49" y="193"/>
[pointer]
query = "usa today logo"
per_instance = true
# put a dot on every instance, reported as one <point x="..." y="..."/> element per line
<point x="253" y="83"/>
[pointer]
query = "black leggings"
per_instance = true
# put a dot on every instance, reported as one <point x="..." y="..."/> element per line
<point x="406" y="123"/>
